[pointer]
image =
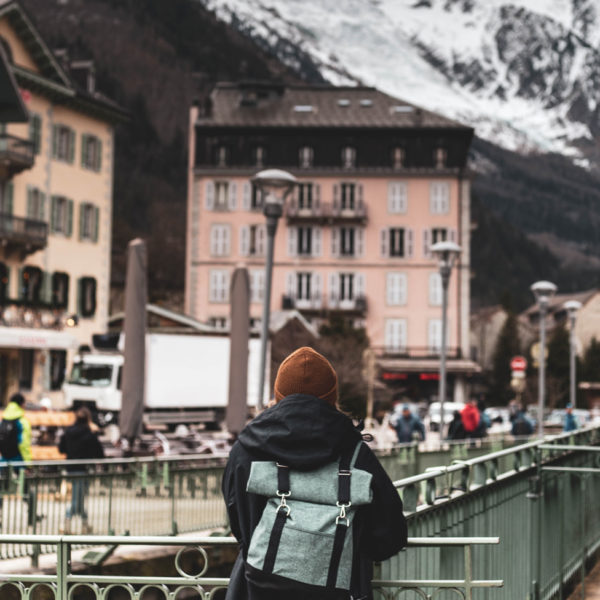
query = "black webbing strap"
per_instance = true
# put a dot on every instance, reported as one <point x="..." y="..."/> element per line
<point x="283" y="510"/>
<point x="342" y="521"/>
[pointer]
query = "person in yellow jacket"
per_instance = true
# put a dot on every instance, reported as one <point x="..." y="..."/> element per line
<point x="15" y="432"/>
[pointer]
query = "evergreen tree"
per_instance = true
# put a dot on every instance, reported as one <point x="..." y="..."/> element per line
<point x="590" y="367"/>
<point x="558" y="367"/>
<point x="507" y="347"/>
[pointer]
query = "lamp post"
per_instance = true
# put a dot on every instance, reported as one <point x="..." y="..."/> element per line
<point x="446" y="254"/>
<point x="274" y="186"/>
<point x="572" y="307"/>
<point x="543" y="292"/>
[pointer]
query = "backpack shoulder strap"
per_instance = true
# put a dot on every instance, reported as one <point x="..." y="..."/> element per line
<point x="283" y="511"/>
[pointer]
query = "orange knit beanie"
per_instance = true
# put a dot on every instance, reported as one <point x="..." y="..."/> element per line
<point x="305" y="371"/>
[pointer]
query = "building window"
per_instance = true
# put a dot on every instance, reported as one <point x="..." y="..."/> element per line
<point x="88" y="222"/>
<point x="91" y="152"/>
<point x="36" y="201"/>
<point x="31" y="284"/>
<point x="4" y="281"/>
<point x="305" y="195"/>
<point x="63" y="143"/>
<point x="220" y="237"/>
<point x="87" y="297"/>
<point x="304" y="239"/>
<point x="438" y="234"/>
<point x="60" y="290"/>
<point x="397" y="241"/>
<point x="305" y="156"/>
<point x="435" y="289"/>
<point x="252" y="240"/>
<point x="398" y="157"/>
<point x="221" y="195"/>
<point x="396" y="288"/>
<point x="257" y="199"/>
<point x="218" y="322"/>
<point x="441" y="156"/>
<point x="61" y="215"/>
<point x="347" y="235"/>
<point x="348" y="157"/>
<point x="58" y="364"/>
<point x="435" y="336"/>
<point x="397" y="197"/>
<point x="222" y="156"/>
<point x="257" y="286"/>
<point x="439" y="197"/>
<point x="303" y="286"/>
<point x="6" y="199"/>
<point x="218" y="289"/>
<point x="258" y="156"/>
<point x="35" y="132"/>
<point x="25" y="369"/>
<point x="434" y="235"/>
<point x="346" y="289"/>
<point x="395" y="335"/>
<point x="348" y="196"/>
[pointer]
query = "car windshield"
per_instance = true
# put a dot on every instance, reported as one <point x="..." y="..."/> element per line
<point x="88" y="374"/>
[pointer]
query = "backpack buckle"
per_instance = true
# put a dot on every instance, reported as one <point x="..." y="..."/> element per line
<point x="342" y="516"/>
<point x="344" y="472"/>
<point x="283" y="504"/>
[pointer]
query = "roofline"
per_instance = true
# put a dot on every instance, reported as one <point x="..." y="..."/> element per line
<point x="453" y="126"/>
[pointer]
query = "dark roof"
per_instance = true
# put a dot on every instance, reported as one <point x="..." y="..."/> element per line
<point x="12" y="108"/>
<point x="250" y="105"/>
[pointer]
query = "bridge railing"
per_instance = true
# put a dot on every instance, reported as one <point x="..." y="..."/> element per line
<point x="195" y="575"/>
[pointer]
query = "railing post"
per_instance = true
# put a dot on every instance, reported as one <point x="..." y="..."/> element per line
<point x="468" y="573"/>
<point x="63" y="564"/>
<point x="583" y="532"/>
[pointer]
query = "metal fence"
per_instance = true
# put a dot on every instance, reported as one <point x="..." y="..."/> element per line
<point x="192" y="581"/>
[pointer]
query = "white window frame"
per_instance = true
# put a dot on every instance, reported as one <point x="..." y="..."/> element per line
<point x="91" y="152"/>
<point x="396" y="288"/>
<point x="257" y="286"/>
<point x="218" y="286"/>
<point x="439" y="197"/>
<point x="220" y="239"/>
<point x="395" y="335"/>
<point x="88" y="222"/>
<point x="435" y="289"/>
<point x="434" y="335"/>
<point x="397" y="197"/>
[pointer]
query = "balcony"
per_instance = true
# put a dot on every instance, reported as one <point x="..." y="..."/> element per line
<point x="16" y="155"/>
<point x="20" y="313"/>
<point x="325" y="214"/>
<point x="319" y="304"/>
<point x="22" y="236"/>
<point x="415" y="352"/>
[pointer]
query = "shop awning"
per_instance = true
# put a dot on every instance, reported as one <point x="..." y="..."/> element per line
<point x="425" y="365"/>
<point x="21" y="337"/>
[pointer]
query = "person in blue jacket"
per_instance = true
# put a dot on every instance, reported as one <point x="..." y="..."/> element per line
<point x="408" y="425"/>
<point x="570" y="423"/>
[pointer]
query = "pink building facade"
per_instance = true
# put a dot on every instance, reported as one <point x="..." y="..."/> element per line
<point x="380" y="181"/>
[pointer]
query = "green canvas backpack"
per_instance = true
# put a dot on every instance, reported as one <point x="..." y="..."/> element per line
<point x="305" y="531"/>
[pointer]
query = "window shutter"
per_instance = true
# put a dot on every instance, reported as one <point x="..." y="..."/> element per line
<point x="392" y="198"/>
<point x="29" y="202"/>
<point x="426" y="236"/>
<point x="209" y="199"/>
<point x="316" y="196"/>
<point x="409" y="242"/>
<point x="317" y="285"/>
<point x="316" y="241"/>
<point x="212" y="286"/>
<point x="391" y="280"/>
<point x="360" y="285"/>
<point x="46" y="291"/>
<point x="402" y="289"/>
<point x="452" y="235"/>
<point x="98" y="164"/>
<point x="435" y="289"/>
<point x="334" y="287"/>
<point x="96" y="223"/>
<point x="435" y="335"/>
<point x="71" y="146"/>
<point x="7" y="207"/>
<point x="246" y="196"/>
<point x="262" y="239"/>
<point x="335" y="242"/>
<point x="214" y="240"/>
<point x="360" y="199"/>
<point x="82" y="206"/>
<point x="245" y="240"/>
<point x="402" y="198"/>
<point x="336" y="196"/>
<point x="54" y="141"/>
<point x="43" y="207"/>
<point x="232" y="192"/>
<point x="84" y="142"/>
<point x="69" y="231"/>
<point x="290" y="284"/>
<point x="53" y="201"/>
<point x="360" y="241"/>
<point x="226" y="240"/>
<point x="292" y="241"/>
<point x="385" y="234"/>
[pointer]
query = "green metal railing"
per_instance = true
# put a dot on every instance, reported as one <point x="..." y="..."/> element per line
<point x="64" y="584"/>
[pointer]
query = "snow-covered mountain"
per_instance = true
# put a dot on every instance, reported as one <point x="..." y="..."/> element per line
<point x="525" y="73"/>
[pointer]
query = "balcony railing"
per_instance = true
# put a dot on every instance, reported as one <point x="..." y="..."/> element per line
<point x="16" y="155"/>
<point x="400" y="351"/>
<point x="41" y="315"/>
<point x="324" y="302"/>
<point x="23" y="235"/>
<point x="325" y="213"/>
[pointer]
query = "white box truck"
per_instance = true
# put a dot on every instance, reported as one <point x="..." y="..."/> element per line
<point x="187" y="379"/>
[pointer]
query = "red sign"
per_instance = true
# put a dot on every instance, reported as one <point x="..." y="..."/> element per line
<point x="393" y="376"/>
<point x="518" y="363"/>
<point x="429" y="376"/>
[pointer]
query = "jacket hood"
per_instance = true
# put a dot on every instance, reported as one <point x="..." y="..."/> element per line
<point x="303" y="432"/>
<point x="13" y="411"/>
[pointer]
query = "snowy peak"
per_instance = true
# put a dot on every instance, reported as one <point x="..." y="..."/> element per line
<point x="525" y="73"/>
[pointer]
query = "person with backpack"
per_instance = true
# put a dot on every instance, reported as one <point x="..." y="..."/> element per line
<point x="470" y="417"/>
<point x="307" y="499"/>
<point x="15" y="432"/>
<point x="521" y="425"/>
<point x="79" y="442"/>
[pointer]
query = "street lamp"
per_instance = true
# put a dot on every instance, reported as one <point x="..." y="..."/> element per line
<point x="543" y="292"/>
<point x="572" y="307"/>
<point x="274" y="186"/>
<point x="446" y="253"/>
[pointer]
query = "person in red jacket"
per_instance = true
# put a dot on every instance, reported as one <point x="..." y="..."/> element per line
<point x="470" y="417"/>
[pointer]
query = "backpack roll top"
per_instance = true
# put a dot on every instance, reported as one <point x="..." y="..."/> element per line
<point x="305" y="531"/>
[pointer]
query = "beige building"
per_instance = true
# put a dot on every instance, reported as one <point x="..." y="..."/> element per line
<point x="56" y="178"/>
<point x="380" y="181"/>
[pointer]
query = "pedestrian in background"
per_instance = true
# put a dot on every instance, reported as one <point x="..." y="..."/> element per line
<point x="456" y="431"/>
<point x="471" y="417"/>
<point x="521" y="424"/>
<point x="408" y="426"/>
<point x="79" y="442"/>
<point x="15" y="432"/>
<point x="570" y="423"/>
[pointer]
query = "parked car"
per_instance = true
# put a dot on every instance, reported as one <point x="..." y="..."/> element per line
<point x="556" y="419"/>
<point x="449" y="408"/>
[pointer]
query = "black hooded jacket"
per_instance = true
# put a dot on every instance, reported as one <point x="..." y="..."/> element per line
<point x="304" y="433"/>
<point x="79" y="442"/>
